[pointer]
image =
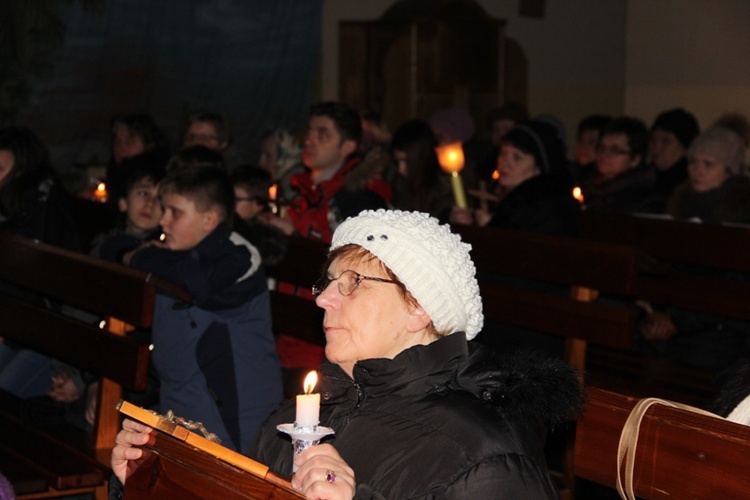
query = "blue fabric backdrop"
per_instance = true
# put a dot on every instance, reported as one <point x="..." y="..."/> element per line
<point x="252" y="60"/>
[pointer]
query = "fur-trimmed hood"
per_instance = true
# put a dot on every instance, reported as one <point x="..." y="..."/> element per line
<point x="522" y="387"/>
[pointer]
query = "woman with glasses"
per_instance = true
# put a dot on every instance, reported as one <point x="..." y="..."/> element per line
<point x="623" y="181"/>
<point x="418" y="411"/>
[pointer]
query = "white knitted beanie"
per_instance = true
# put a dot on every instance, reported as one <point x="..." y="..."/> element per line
<point x="432" y="263"/>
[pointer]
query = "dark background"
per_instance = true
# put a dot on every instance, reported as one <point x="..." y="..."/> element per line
<point x="67" y="66"/>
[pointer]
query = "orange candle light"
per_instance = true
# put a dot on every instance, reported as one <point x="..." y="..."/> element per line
<point x="578" y="194"/>
<point x="272" y="191"/>
<point x="451" y="159"/>
<point x="308" y="404"/>
<point x="100" y="193"/>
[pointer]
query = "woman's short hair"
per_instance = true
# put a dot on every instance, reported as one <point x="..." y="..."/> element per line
<point x="355" y="254"/>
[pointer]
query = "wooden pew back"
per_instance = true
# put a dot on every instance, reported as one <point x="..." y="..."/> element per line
<point x="680" y="454"/>
<point x="558" y="261"/>
<point x="711" y="251"/>
<point x="295" y="313"/>
<point x="36" y="279"/>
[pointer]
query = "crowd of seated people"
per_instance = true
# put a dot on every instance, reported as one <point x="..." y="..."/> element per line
<point x="307" y="183"/>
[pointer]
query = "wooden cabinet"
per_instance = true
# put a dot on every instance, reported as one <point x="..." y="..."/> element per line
<point x="421" y="56"/>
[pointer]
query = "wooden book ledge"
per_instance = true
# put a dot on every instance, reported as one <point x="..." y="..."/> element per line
<point x="178" y="463"/>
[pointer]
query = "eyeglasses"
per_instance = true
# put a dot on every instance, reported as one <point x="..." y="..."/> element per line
<point x="611" y="151"/>
<point x="348" y="281"/>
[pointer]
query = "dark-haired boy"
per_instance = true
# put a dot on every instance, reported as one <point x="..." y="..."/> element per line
<point x="215" y="357"/>
<point x="251" y="185"/>
<point x="139" y="206"/>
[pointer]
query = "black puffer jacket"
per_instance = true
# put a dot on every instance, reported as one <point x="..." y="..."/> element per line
<point x="542" y="204"/>
<point x="446" y="420"/>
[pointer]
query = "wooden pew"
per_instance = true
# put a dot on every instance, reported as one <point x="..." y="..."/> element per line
<point x="680" y="454"/>
<point x="703" y="246"/>
<point x="697" y="258"/>
<point x="552" y="260"/>
<point x="580" y="271"/>
<point x="66" y="460"/>
<point x="301" y="267"/>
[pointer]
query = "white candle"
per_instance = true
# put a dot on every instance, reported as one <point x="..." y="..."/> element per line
<point x="308" y="405"/>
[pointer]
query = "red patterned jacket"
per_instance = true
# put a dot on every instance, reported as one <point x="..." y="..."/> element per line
<point x="310" y="209"/>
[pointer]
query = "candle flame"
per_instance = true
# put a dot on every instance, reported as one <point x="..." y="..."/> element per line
<point x="495" y="175"/>
<point x="272" y="192"/>
<point x="451" y="157"/>
<point x="101" y="188"/>
<point x="310" y="381"/>
<point x="578" y="194"/>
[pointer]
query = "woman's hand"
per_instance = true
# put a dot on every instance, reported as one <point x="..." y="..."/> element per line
<point x="285" y="224"/>
<point x="91" y="392"/>
<point x="323" y="474"/>
<point x="460" y="215"/>
<point x="63" y="389"/>
<point x="132" y="434"/>
<point x="658" y="326"/>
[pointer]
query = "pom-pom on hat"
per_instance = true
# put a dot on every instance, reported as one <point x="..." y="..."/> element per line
<point x="433" y="263"/>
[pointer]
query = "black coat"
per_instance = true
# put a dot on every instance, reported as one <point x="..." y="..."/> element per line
<point x="446" y="420"/>
<point x="44" y="215"/>
<point x="631" y="192"/>
<point x="730" y="202"/>
<point x="542" y="204"/>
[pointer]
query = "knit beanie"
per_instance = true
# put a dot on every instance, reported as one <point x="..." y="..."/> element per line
<point x="432" y="263"/>
<point x="723" y="144"/>
<point x="540" y="140"/>
<point x="681" y="123"/>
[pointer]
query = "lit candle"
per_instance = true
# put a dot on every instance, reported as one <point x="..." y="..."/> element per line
<point x="451" y="159"/>
<point x="272" y="196"/>
<point x="578" y="194"/>
<point x="308" y="404"/>
<point x="100" y="193"/>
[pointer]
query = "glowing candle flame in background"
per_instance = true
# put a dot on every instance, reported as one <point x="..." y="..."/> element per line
<point x="578" y="194"/>
<point x="451" y="159"/>
<point x="100" y="193"/>
<point x="272" y="192"/>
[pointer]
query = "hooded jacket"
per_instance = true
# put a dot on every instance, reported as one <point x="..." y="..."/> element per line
<point x="216" y="358"/>
<point x="447" y="420"/>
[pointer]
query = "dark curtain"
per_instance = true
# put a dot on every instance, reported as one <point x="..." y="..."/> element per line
<point x="254" y="61"/>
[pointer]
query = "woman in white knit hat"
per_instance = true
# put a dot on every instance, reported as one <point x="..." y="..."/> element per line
<point x="418" y="411"/>
<point x="716" y="189"/>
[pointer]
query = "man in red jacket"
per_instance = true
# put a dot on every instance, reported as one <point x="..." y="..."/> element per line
<point x="339" y="182"/>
